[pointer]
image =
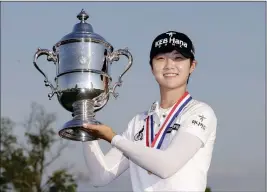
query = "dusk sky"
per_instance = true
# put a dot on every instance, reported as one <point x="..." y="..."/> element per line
<point x="230" y="49"/>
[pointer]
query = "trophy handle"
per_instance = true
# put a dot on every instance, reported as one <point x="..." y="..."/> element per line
<point x="115" y="56"/>
<point x="51" y="56"/>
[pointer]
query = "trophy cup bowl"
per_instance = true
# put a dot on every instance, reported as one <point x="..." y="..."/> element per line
<point x="82" y="59"/>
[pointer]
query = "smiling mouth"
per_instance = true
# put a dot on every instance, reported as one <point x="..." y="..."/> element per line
<point x="170" y="74"/>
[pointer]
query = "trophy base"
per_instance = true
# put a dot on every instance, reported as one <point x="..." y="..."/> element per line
<point x="74" y="130"/>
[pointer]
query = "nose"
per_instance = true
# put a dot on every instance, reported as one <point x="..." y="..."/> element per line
<point x="169" y="64"/>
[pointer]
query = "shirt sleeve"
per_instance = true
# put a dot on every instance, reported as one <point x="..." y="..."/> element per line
<point x="200" y="123"/>
<point x="105" y="168"/>
<point x="182" y="148"/>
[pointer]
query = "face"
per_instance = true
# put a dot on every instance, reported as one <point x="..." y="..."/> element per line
<point x="171" y="70"/>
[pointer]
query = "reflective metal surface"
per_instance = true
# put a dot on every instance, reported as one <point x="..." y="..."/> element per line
<point x="85" y="67"/>
<point x="83" y="59"/>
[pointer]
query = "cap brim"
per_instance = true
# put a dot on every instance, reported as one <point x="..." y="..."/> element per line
<point x="170" y="49"/>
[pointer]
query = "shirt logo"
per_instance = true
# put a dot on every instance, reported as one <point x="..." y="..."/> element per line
<point x="199" y="122"/>
<point x="175" y="127"/>
<point x="153" y="107"/>
<point x="139" y="136"/>
<point x="202" y="117"/>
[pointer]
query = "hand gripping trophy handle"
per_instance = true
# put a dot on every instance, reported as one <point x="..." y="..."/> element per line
<point x="115" y="56"/>
<point x="51" y="56"/>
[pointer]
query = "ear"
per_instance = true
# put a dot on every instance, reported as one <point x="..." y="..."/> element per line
<point x="151" y="68"/>
<point x="193" y="66"/>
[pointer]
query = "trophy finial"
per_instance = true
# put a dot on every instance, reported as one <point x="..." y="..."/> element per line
<point x="82" y="16"/>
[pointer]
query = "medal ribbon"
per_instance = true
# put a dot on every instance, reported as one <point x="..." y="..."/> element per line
<point x="173" y="114"/>
<point x="149" y="123"/>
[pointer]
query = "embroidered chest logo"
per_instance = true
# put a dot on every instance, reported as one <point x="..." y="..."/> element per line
<point x="139" y="136"/>
<point x="200" y="122"/>
<point x="175" y="127"/>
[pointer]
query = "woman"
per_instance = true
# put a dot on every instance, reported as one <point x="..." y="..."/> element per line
<point x="168" y="147"/>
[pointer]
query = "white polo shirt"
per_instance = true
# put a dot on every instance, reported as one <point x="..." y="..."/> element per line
<point x="198" y="119"/>
<point x="180" y="164"/>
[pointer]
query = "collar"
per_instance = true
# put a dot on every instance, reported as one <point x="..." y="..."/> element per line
<point x="154" y="109"/>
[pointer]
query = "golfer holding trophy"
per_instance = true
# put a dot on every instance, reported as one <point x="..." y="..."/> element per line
<point x="169" y="146"/>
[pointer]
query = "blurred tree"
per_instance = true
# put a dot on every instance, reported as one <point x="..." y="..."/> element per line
<point x="208" y="189"/>
<point x="22" y="167"/>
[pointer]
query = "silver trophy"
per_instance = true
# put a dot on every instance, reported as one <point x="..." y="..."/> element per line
<point x="82" y="83"/>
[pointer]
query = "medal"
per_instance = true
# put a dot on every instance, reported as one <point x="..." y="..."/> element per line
<point x="173" y="114"/>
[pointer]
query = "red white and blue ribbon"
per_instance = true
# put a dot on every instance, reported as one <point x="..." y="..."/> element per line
<point x="173" y="114"/>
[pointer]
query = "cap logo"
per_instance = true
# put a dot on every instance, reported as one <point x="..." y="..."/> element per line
<point x="170" y="33"/>
<point x="172" y="41"/>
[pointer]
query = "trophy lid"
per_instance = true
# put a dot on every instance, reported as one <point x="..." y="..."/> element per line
<point x="83" y="30"/>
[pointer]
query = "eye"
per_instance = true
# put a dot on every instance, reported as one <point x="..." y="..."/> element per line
<point x="159" y="58"/>
<point x="178" y="58"/>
